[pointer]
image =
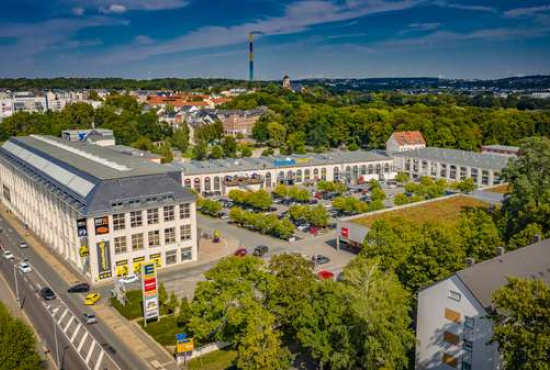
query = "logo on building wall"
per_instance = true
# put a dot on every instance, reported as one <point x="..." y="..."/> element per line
<point x="104" y="260"/>
<point x="101" y="225"/>
<point x="84" y="251"/>
<point x="81" y="227"/>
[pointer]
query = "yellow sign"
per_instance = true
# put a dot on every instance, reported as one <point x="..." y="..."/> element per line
<point x="302" y="160"/>
<point x="156" y="259"/>
<point x="186" y="346"/>
<point x="138" y="261"/>
<point x="122" y="268"/>
<point x="84" y="251"/>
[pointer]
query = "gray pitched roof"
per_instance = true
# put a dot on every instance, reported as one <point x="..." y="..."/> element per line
<point x="484" y="278"/>
<point x="457" y="157"/>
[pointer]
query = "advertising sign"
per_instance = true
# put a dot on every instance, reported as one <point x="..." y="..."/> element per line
<point x="138" y="261"/>
<point x="187" y="346"/>
<point x="84" y="250"/>
<point x="345" y="232"/>
<point x="121" y="268"/>
<point x="156" y="259"/>
<point x="101" y="225"/>
<point x="81" y="227"/>
<point x="104" y="260"/>
<point x="150" y="293"/>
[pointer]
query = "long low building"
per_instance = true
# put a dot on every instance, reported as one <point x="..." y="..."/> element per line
<point x="103" y="211"/>
<point x="221" y="175"/>
<point x="452" y="164"/>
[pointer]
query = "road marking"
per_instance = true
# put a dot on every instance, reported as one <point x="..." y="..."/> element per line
<point x="82" y="342"/>
<point x="99" y="360"/>
<point x="54" y="311"/>
<point x="76" y="332"/>
<point x="63" y="315"/>
<point x="91" y="352"/>
<point x="68" y="324"/>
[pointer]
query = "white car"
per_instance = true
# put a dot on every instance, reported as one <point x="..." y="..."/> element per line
<point x="23" y="245"/>
<point x="128" y="279"/>
<point x="24" y="267"/>
<point x="8" y="255"/>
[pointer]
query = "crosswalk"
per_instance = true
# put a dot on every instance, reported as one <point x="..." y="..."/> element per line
<point x="92" y="353"/>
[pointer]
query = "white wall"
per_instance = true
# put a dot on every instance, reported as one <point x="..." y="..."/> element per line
<point x="431" y="324"/>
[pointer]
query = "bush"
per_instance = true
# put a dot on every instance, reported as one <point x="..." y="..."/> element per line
<point x="209" y="206"/>
<point x="292" y="192"/>
<point x="332" y="187"/>
<point x="313" y="215"/>
<point x="165" y="330"/>
<point x="350" y="205"/>
<point x="260" y="199"/>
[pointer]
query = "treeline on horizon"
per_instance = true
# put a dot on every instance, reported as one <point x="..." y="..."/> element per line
<point x="335" y="84"/>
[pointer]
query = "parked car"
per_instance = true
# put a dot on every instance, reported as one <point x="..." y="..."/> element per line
<point x="79" y="288"/>
<point x="319" y="259"/>
<point x="241" y="252"/>
<point x="7" y="255"/>
<point x="47" y="294"/>
<point x="303" y="227"/>
<point x="128" y="279"/>
<point x="325" y="275"/>
<point x="260" y="250"/>
<point x="24" y="267"/>
<point x="89" y="318"/>
<point x="23" y="245"/>
<point x="92" y="298"/>
<point x="313" y="201"/>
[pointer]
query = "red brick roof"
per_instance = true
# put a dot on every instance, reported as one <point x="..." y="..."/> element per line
<point x="409" y="138"/>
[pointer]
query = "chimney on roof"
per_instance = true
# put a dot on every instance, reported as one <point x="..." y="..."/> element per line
<point x="500" y="251"/>
<point x="470" y="261"/>
<point x="536" y="238"/>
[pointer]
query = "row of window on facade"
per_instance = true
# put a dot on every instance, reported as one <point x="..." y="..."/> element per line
<point x="467" y="327"/>
<point x="351" y="172"/>
<point x="153" y="216"/>
<point x="154" y="239"/>
<point x="455" y="172"/>
<point x="170" y="257"/>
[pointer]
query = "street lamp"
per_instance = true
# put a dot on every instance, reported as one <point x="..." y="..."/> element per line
<point x="56" y="344"/>
<point x="16" y="285"/>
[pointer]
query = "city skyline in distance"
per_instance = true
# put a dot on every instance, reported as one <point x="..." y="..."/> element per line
<point x="302" y="38"/>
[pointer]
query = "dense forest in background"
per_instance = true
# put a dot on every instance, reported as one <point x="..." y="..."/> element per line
<point x="335" y="84"/>
<point x="313" y="120"/>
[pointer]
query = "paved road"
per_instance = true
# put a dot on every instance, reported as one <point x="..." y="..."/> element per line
<point x="93" y="347"/>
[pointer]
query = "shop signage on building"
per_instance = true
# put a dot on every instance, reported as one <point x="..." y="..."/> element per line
<point x="150" y="292"/>
<point x="101" y="225"/>
<point x="104" y="260"/>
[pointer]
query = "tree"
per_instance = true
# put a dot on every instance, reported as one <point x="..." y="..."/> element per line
<point x="184" y="313"/>
<point x="520" y="324"/>
<point x="260" y="346"/>
<point x="245" y="151"/>
<point x="277" y="134"/>
<point x="466" y="185"/>
<point x="180" y="139"/>
<point x="525" y="237"/>
<point x="216" y="152"/>
<point x="172" y="303"/>
<point x="378" y="194"/>
<point x="529" y="178"/>
<point x="400" y="199"/>
<point x="479" y="234"/>
<point x="229" y="145"/>
<point x="210" y="206"/>
<point x="380" y="315"/>
<point x="17" y="343"/>
<point x="402" y="178"/>
<point x="163" y="295"/>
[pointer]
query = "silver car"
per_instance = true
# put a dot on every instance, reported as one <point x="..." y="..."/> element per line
<point x="89" y="318"/>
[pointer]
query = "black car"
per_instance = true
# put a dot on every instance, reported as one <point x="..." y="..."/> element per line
<point x="260" y="250"/>
<point x="47" y="294"/>
<point x="79" y="288"/>
<point x="320" y="259"/>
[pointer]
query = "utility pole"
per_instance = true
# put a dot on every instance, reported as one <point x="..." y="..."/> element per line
<point x="56" y="344"/>
<point x="16" y="286"/>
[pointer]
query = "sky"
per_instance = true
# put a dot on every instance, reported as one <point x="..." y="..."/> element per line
<point x="301" y="38"/>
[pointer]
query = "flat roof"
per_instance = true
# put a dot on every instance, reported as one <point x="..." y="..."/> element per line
<point x="502" y="147"/>
<point x="194" y="167"/>
<point x="457" y="157"/>
<point x="532" y="262"/>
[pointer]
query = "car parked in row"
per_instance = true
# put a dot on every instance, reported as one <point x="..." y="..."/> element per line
<point x="128" y="279"/>
<point x="23" y="245"/>
<point x="7" y="255"/>
<point x="319" y="259"/>
<point x="241" y="252"/>
<point x="260" y="250"/>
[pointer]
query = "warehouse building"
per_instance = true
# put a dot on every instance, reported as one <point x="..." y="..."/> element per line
<point x="103" y="211"/>
<point x="217" y="177"/>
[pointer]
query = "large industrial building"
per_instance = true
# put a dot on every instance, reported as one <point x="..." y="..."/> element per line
<point x="217" y="177"/>
<point x="102" y="210"/>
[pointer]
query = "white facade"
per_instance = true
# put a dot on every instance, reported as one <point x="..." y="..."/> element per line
<point x="393" y="145"/>
<point x="452" y="331"/>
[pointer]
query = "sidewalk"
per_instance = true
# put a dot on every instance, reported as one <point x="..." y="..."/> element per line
<point x="143" y="346"/>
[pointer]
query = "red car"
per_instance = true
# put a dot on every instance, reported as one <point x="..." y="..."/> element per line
<point x="241" y="252"/>
<point x="325" y="275"/>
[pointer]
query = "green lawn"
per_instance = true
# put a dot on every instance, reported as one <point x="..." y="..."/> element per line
<point x="164" y="331"/>
<point x="134" y="306"/>
<point x="217" y="360"/>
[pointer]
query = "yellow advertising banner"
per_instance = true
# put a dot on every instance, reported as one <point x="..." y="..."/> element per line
<point x="156" y="259"/>
<point x="138" y="261"/>
<point x="186" y="346"/>
<point x="122" y="268"/>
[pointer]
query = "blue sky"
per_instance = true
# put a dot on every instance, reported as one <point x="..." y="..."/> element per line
<point x="302" y="38"/>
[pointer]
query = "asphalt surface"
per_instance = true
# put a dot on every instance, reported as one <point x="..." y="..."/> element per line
<point x="80" y="346"/>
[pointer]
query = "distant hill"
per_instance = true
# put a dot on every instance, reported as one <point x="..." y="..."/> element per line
<point x="335" y="84"/>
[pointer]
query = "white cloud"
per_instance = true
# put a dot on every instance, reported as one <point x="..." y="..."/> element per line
<point x="530" y="11"/>
<point x="425" y="26"/>
<point x="475" y="8"/>
<point x="113" y="8"/>
<point x="143" y="40"/>
<point x="78" y="11"/>
<point x="298" y="16"/>
<point x="105" y="6"/>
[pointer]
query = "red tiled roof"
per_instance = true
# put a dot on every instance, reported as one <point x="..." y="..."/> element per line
<point x="409" y="138"/>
